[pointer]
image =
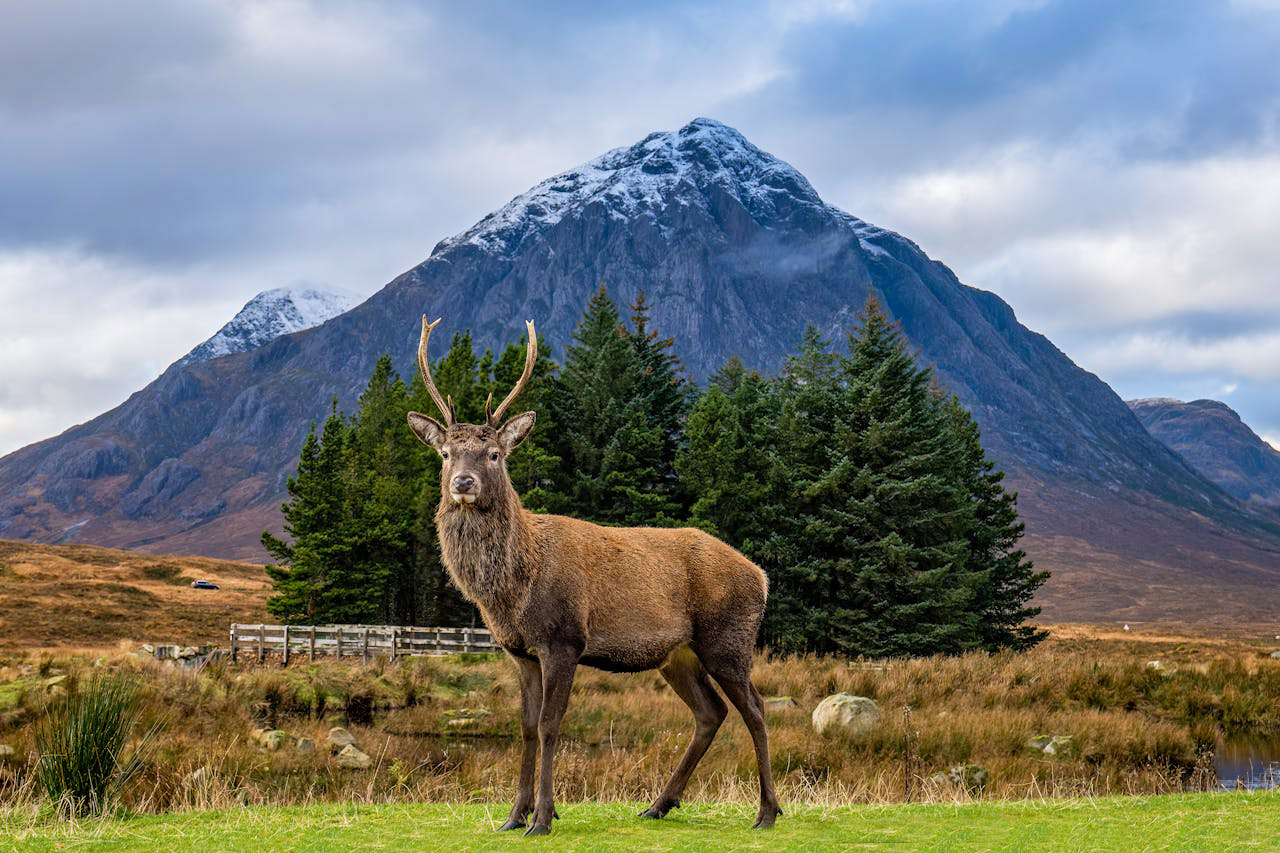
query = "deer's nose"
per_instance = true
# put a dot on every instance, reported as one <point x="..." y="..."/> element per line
<point x="463" y="483"/>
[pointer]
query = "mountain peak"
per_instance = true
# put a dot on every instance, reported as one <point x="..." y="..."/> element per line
<point x="270" y="314"/>
<point x="669" y="167"/>
<point x="1213" y="439"/>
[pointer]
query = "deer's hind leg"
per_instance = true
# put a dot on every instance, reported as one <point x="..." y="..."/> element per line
<point x="684" y="672"/>
<point x="728" y="659"/>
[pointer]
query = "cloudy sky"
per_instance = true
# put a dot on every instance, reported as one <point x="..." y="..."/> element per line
<point x="1111" y="169"/>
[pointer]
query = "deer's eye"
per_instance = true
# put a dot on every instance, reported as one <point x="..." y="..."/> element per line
<point x="493" y="456"/>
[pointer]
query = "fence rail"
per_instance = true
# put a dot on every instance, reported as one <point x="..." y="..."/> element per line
<point x="364" y="641"/>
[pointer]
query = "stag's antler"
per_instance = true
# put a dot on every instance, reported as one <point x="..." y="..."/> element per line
<point x="494" y="417"/>
<point x="424" y="366"/>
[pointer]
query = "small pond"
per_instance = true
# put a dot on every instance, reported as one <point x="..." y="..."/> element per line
<point x="1254" y="761"/>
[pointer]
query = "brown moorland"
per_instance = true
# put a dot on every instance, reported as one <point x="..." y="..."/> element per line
<point x="84" y="596"/>
<point x="445" y="729"/>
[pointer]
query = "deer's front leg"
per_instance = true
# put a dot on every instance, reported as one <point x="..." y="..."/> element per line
<point x="558" y="666"/>
<point x="530" y="709"/>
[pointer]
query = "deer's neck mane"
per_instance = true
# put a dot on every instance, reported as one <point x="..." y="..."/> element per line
<point x="489" y="553"/>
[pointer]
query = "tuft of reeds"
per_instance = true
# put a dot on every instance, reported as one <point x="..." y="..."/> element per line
<point x="81" y="742"/>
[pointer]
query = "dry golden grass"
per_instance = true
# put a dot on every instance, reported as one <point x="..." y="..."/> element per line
<point x="86" y="597"/>
<point x="1136" y="728"/>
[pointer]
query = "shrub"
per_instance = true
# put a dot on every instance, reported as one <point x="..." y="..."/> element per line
<point x="81" y="742"/>
<point x="165" y="573"/>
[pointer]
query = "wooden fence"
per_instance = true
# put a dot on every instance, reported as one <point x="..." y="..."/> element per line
<point x="364" y="641"/>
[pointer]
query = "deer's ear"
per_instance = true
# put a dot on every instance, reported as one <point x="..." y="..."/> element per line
<point x="516" y="430"/>
<point x="428" y="430"/>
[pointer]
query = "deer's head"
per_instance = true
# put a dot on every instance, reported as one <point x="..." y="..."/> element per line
<point x="473" y="472"/>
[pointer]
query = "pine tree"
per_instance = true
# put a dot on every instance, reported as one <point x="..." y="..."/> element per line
<point x="726" y="465"/>
<point x="305" y="570"/>
<point x="1002" y="597"/>
<point x="618" y="404"/>
<point x="870" y="551"/>
<point x="809" y="400"/>
<point x="909" y="569"/>
<point x="387" y="464"/>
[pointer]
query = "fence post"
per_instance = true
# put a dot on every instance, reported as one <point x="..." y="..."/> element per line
<point x="313" y="642"/>
<point x="262" y="633"/>
<point x="366" y="644"/>
<point x="285" y="657"/>
<point x="337" y="636"/>
<point x="233" y="642"/>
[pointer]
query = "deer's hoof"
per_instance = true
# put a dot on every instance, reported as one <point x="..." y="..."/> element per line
<point x="511" y="824"/>
<point x="537" y="829"/>
<point x="660" y="809"/>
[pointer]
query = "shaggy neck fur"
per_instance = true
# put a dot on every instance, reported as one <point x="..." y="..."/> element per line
<point x="487" y="548"/>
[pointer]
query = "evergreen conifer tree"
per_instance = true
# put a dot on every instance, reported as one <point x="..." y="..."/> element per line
<point x="618" y="404"/>
<point x="1009" y="581"/>
<point x="870" y="552"/>
<point x="386" y="467"/>
<point x="306" y="568"/>
<point x="727" y="462"/>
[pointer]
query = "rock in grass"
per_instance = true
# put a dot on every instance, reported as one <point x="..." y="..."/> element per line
<point x="1275" y="655"/>
<point x="339" y="739"/>
<point x="275" y="739"/>
<point x="779" y="703"/>
<point x="1059" y="746"/>
<point x="6" y="751"/>
<point x="972" y="778"/>
<point x="305" y="745"/>
<point x="353" y="758"/>
<point x="842" y="713"/>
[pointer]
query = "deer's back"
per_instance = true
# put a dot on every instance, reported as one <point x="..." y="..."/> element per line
<point x="642" y="591"/>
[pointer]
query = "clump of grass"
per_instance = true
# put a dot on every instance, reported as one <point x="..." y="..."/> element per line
<point x="82" y="741"/>
<point x="165" y="573"/>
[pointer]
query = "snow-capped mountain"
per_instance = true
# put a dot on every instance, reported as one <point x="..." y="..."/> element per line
<point x="270" y="314"/>
<point x="736" y="254"/>
<point x="642" y="179"/>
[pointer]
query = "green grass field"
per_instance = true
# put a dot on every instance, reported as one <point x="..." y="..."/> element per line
<point x="1217" y="822"/>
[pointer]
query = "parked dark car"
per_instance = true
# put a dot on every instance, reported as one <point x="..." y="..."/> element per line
<point x="203" y="585"/>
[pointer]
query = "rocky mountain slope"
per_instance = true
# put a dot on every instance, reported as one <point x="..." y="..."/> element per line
<point x="270" y="314"/>
<point x="736" y="252"/>
<point x="1214" y="441"/>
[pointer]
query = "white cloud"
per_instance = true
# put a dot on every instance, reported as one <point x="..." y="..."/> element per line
<point x="1255" y="357"/>
<point x="1072" y="236"/>
<point x="1116" y="181"/>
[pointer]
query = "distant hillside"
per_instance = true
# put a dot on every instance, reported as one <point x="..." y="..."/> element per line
<point x="737" y="253"/>
<point x="83" y="596"/>
<point x="1217" y="443"/>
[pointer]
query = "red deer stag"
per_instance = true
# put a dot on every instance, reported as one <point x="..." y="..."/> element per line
<point x="557" y="592"/>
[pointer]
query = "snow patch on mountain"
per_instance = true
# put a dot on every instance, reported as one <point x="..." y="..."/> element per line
<point x="674" y="167"/>
<point x="270" y="314"/>
<point x="662" y="168"/>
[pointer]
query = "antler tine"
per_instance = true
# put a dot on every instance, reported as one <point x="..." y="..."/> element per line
<point x="530" y="358"/>
<point x="425" y="367"/>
